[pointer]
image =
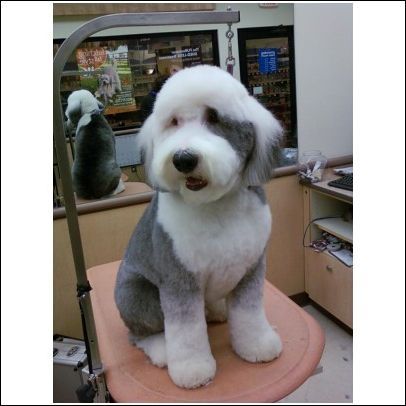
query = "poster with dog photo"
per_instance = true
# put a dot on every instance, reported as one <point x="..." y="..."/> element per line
<point x="107" y="74"/>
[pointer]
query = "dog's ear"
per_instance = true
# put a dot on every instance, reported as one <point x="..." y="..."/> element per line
<point x="144" y="145"/>
<point x="268" y="133"/>
<point x="74" y="111"/>
<point x="100" y="105"/>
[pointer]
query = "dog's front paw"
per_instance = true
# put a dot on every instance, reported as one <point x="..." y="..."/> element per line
<point x="153" y="346"/>
<point x="193" y="372"/>
<point x="256" y="346"/>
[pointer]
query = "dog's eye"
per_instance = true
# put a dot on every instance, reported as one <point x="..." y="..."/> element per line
<point x="212" y="116"/>
<point x="174" y="122"/>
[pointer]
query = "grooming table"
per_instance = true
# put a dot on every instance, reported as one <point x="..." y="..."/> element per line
<point x="131" y="377"/>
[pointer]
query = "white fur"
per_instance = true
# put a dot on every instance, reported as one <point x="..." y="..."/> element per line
<point x="190" y="361"/>
<point x="219" y="163"/>
<point x="252" y="338"/>
<point x="84" y="121"/>
<point x="155" y="347"/>
<point x="83" y="102"/>
<point x="218" y="242"/>
<point x="216" y="88"/>
<point x="120" y="187"/>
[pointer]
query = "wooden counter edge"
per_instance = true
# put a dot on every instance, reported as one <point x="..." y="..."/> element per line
<point x="145" y="197"/>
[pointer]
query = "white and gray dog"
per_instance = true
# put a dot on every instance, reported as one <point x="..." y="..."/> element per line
<point x="199" y="250"/>
<point x="95" y="172"/>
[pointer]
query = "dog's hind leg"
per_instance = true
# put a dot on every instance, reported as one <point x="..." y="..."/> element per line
<point x="139" y="306"/>
<point x="138" y="302"/>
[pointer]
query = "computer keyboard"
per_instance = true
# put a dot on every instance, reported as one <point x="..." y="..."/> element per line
<point x="343" y="183"/>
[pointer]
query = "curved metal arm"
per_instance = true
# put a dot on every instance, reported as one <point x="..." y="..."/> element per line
<point x="61" y="57"/>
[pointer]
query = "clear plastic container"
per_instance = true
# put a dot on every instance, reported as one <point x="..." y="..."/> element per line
<point x="311" y="166"/>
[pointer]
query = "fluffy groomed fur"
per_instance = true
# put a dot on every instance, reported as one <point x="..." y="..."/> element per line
<point x="95" y="171"/>
<point x="197" y="254"/>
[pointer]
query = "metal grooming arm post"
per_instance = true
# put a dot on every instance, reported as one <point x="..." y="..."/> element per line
<point x="61" y="57"/>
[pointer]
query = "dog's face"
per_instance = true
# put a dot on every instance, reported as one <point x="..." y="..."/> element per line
<point x="207" y="136"/>
<point x="80" y="102"/>
<point x="105" y="80"/>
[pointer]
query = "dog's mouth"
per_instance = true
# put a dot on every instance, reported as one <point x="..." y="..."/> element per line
<point x="195" y="184"/>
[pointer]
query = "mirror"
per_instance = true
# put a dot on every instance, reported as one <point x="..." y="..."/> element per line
<point x="122" y="76"/>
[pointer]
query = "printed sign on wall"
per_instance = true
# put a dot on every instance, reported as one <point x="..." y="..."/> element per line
<point x="170" y="58"/>
<point x="268" y="60"/>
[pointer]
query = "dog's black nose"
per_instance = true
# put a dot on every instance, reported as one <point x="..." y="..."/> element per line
<point x="185" y="160"/>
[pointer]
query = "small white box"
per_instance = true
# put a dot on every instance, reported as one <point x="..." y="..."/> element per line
<point x="257" y="90"/>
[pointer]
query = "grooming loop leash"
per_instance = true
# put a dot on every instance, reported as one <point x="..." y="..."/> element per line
<point x="230" y="60"/>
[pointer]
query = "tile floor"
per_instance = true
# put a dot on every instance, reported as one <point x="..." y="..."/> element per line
<point x="334" y="383"/>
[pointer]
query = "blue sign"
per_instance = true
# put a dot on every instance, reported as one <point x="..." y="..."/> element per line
<point x="268" y="60"/>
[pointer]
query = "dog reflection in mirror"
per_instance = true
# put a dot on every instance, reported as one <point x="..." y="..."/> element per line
<point x="198" y="252"/>
<point x="95" y="172"/>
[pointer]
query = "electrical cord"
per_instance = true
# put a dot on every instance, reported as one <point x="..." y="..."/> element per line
<point x="311" y="222"/>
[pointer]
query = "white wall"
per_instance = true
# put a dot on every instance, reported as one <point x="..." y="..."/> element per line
<point x="251" y="15"/>
<point x="323" y="55"/>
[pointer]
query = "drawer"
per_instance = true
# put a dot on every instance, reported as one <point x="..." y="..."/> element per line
<point x="329" y="283"/>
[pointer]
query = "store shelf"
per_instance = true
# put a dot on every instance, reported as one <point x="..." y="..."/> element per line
<point x="336" y="226"/>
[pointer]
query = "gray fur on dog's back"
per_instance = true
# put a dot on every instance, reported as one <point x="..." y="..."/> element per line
<point x="95" y="170"/>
